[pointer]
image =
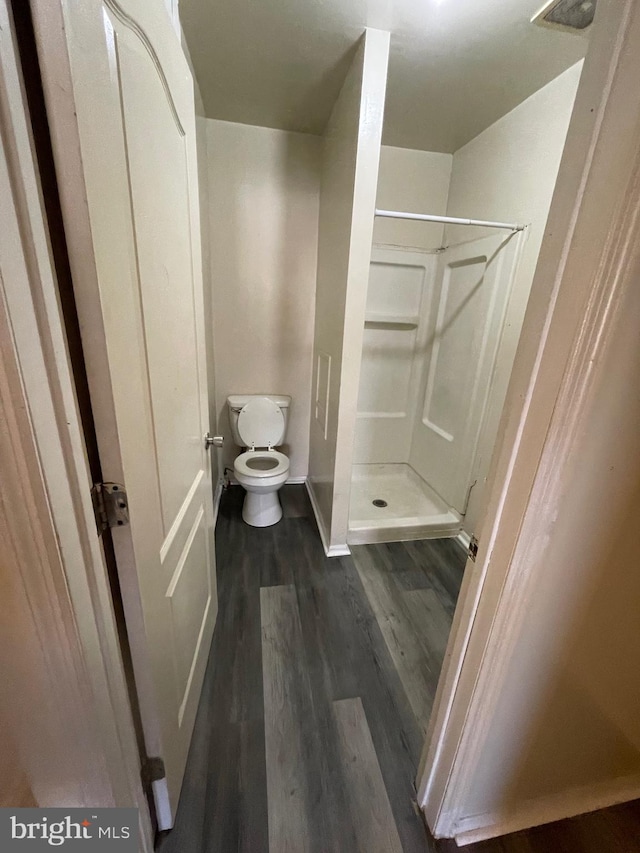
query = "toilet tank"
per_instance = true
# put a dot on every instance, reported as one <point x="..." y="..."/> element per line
<point x="237" y="401"/>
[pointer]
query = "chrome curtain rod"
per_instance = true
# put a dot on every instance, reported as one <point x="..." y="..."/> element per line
<point x="451" y="220"/>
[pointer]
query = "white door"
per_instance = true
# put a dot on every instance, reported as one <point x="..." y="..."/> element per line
<point x="466" y="316"/>
<point x="120" y="102"/>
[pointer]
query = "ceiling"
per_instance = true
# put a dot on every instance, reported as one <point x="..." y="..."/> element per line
<point x="456" y="66"/>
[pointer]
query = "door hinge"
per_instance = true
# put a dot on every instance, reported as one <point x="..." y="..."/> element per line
<point x="152" y="770"/>
<point x="472" y="550"/>
<point x="110" y="505"/>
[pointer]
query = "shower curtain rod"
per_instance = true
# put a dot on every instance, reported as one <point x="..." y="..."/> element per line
<point x="451" y="220"/>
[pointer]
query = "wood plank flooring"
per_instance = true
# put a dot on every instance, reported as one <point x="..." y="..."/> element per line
<point x="374" y="828"/>
<point x="288" y="722"/>
<point x="319" y="686"/>
<point x="418" y="671"/>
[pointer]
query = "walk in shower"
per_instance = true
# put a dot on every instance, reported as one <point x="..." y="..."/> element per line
<point x="431" y="385"/>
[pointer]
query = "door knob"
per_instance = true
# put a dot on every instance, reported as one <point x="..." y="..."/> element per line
<point x="213" y="440"/>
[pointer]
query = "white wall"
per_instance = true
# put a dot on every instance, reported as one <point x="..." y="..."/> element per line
<point x="205" y="237"/>
<point x="203" y="188"/>
<point x="564" y="729"/>
<point x="263" y="191"/>
<point x="416" y="181"/>
<point x="351" y="155"/>
<point x="547" y="725"/>
<point x="508" y="173"/>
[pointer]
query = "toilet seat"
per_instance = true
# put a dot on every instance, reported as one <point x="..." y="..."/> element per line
<point x="261" y="423"/>
<point x="261" y="464"/>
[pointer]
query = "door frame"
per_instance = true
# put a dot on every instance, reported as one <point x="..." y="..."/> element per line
<point x="590" y="240"/>
<point x="49" y="529"/>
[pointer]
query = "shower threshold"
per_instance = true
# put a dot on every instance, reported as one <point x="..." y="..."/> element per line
<point x="390" y="503"/>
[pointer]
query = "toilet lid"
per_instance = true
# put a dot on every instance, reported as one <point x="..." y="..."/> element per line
<point x="260" y="423"/>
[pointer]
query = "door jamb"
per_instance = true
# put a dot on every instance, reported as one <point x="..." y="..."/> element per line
<point x="579" y="283"/>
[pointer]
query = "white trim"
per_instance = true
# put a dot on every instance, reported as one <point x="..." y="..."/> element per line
<point x="333" y="550"/>
<point x="547" y="809"/>
<point x="338" y="551"/>
<point x="217" y="495"/>
<point x="318" y="515"/>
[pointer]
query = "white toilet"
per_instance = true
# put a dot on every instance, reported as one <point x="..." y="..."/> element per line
<point x="259" y="423"/>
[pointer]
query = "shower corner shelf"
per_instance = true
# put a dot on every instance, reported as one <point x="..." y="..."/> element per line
<point x="397" y="321"/>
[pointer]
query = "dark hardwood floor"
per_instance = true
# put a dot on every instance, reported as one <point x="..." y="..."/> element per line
<point x="319" y="684"/>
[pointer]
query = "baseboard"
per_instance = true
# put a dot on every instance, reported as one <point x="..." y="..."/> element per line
<point x="464" y="540"/>
<point x="338" y="551"/>
<point x="329" y="550"/>
<point x="319" y="522"/>
<point x="216" y="501"/>
<point x="548" y="809"/>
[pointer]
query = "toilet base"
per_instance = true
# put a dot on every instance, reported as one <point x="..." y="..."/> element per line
<point x="261" y="509"/>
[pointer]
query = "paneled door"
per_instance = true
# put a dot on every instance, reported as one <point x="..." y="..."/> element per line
<point x="466" y="316"/>
<point x="120" y="103"/>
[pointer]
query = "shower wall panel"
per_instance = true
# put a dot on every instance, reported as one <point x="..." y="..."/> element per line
<point x="393" y="349"/>
<point x="468" y="304"/>
<point x="508" y="172"/>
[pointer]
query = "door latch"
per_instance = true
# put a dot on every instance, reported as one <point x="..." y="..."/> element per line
<point x="213" y="440"/>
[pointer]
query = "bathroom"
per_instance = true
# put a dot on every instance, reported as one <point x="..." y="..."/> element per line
<point x="345" y="349"/>
<point x="436" y="478"/>
<point x="276" y="561"/>
<point x="262" y="220"/>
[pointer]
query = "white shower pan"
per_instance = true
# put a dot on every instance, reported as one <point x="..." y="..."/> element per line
<point x="412" y="511"/>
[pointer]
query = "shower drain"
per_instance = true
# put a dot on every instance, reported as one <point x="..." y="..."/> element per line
<point x="379" y="502"/>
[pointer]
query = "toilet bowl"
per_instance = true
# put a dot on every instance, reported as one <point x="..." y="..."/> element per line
<point x="261" y="473"/>
<point x="259" y="423"/>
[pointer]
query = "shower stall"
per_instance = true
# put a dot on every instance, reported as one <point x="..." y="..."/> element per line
<point x="414" y="343"/>
<point x="430" y="390"/>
